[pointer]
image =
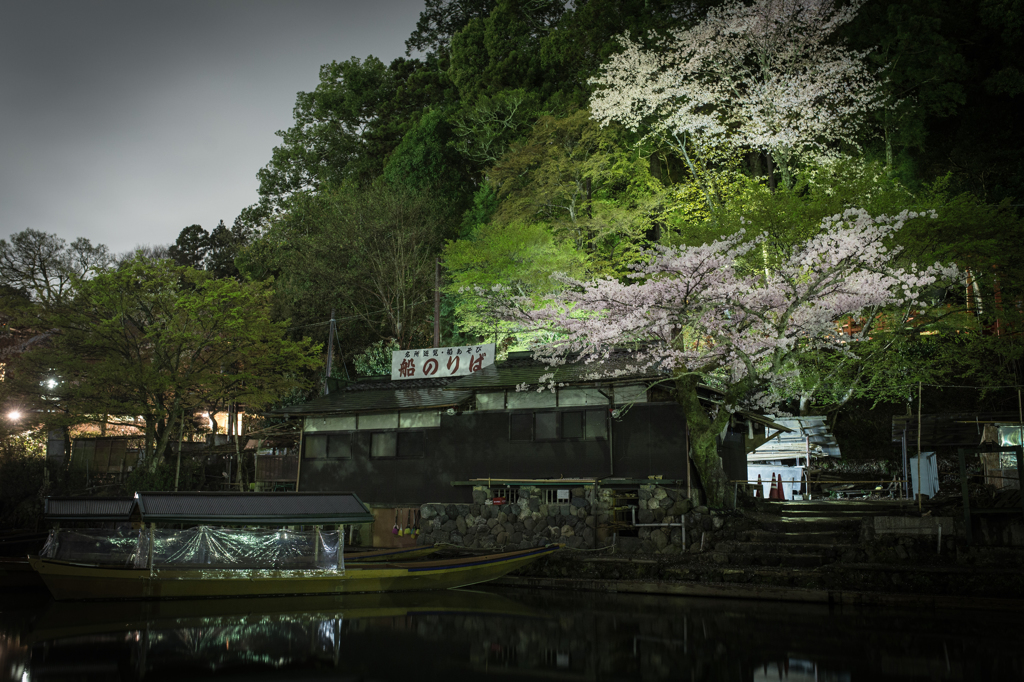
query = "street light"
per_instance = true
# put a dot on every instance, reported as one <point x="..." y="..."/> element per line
<point x="14" y="415"/>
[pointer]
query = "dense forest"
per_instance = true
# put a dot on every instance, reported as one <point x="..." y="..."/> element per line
<point x="483" y="150"/>
<point x="522" y="138"/>
<point x="505" y="146"/>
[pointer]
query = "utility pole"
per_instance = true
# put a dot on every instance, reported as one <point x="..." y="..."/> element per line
<point x="437" y="303"/>
<point x="330" y="354"/>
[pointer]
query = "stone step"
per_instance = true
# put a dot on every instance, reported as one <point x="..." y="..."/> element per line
<point x="815" y="537"/>
<point x="840" y="509"/>
<point x="841" y="513"/>
<point x="780" y="548"/>
<point x="769" y="559"/>
<point x="791" y="526"/>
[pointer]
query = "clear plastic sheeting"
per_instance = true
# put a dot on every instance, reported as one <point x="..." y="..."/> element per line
<point x="202" y="546"/>
<point x="209" y="547"/>
<point x="98" y="546"/>
<point x="274" y="642"/>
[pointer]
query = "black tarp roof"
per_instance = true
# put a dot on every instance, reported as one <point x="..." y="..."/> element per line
<point x="511" y="373"/>
<point x="214" y="508"/>
<point x="229" y="508"/>
<point x="381" y="395"/>
<point x="88" y="508"/>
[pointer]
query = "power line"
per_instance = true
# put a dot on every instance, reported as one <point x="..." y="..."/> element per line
<point x="350" y="317"/>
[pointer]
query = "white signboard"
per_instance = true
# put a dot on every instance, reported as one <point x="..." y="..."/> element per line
<point x="432" y="363"/>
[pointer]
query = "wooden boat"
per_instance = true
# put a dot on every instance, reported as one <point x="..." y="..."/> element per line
<point x="389" y="554"/>
<point x="68" y="580"/>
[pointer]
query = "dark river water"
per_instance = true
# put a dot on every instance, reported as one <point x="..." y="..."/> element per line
<point x="498" y="634"/>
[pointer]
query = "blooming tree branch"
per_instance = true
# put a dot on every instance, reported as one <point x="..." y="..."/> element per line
<point x="763" y="76"/>
<point x="703" y="312"/>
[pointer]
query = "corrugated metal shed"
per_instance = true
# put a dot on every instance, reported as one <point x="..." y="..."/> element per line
<point x="382" y="396"/>
<point x="227" y="508"/>
<point x="88" y="508"/>
<point x="802" y="436"/>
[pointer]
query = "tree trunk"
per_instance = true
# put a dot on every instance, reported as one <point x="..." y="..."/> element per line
<point x="703" y="445"/>
<point x="238" y="460"/>
<point x="704" y="452"/>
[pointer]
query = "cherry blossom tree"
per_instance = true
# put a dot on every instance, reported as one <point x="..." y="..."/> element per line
<point x="765" y="76"/>
<point x="708" y="315"/>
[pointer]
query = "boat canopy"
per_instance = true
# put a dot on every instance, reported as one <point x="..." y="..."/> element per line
<point x="201" y="547"/>
<point x="100" y="509"/>
<point x="252" y="509"/>
<point x="214" y="508"/>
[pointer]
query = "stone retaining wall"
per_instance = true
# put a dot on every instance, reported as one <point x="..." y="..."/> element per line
<point x="585" y="521"/>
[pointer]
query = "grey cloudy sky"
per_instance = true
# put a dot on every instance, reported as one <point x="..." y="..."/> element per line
<point x="123" y="122"/>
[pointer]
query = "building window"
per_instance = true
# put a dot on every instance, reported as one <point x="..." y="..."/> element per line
<point x="384" y="444"/>
<point x="572" y="425"/>
<point x="322" y="445"/>
<point x="520" y="427"/>
<point x="412" y="444"/>
<point x="339" y="445"/>
<point x="315" y="447"/>
<point x="596" y="425"/>
<point x="546" y="425"/>
<point x="542" y="426"/>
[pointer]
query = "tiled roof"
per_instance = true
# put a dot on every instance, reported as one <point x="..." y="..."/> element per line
<point x="382" y="395"/>
<point x="618" y="368"/>
<point x="226" y="508"/>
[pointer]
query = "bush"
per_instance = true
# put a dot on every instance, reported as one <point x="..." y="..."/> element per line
<point x="22" y="467"/>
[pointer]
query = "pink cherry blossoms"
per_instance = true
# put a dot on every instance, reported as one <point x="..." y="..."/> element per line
<point x="708" y="311"/>
<point x="763" y="76"/>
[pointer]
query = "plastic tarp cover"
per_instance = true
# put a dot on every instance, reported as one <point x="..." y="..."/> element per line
<point x="273" y="641"/>
<point x="209" y="547"/>
<point x="96" y="546"/>
<point x="929" y="471"/>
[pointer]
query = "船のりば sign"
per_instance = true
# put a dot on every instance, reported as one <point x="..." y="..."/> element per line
<point x="431" y="363"/>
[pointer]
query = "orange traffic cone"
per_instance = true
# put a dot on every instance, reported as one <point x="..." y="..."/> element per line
<point x="773" y="494"/>
<point x="760" y="488"/>
<point x="782" y="491"/>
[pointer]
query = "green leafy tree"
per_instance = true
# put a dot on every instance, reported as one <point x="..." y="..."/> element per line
<point x="499" y="261"/>
<point x="46" y="267"/>
<point x="425" y="159"/>
<point x="347" y="126"/>
<point x="156" y="339"/>
<point x="502" y="50"/>
<point x="191" y="246"/>
<point x="440" y="20"/>
<point x="376" y="359"/>
<point x="586" y="182"/>
<point x="368" y="252"/>
<point x="22" y="466"/>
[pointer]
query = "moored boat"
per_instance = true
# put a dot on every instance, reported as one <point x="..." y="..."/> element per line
<point x="68" y="580"/>
<point x="228" y="554"/>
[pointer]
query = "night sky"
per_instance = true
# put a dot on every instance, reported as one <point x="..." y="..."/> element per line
<point x="123" y="122"/>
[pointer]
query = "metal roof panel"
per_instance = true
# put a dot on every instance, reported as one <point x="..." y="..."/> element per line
<point x="230" y="508"/>
<point x="88" y="508"/>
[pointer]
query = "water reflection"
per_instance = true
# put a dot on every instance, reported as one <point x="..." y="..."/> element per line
<point x="505" y="635"/>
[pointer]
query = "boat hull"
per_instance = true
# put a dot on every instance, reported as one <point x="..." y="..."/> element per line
<point x="70" y="581"/>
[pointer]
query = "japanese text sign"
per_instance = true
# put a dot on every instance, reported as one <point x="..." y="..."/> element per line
<point x="432" y="363"/>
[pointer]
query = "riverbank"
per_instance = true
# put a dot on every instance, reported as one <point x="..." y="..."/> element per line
<point x="832" y="553"/>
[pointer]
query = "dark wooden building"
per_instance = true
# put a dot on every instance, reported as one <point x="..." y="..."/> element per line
<point x="408" y="442"/>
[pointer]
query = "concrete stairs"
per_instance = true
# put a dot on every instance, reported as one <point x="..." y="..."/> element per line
<point x="800" y="535"/>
